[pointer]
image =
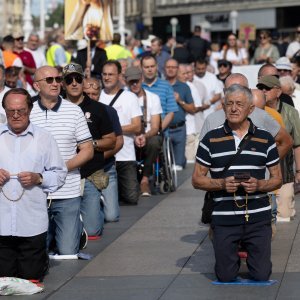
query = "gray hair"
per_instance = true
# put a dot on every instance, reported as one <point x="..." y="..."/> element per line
<point x="236" y="88"/>
<point x="288" y="82"/>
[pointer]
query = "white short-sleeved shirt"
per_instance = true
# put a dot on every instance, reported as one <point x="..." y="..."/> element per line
<point x="127" y="107"/>
<point x="233" y="57"/>
<point x="153" y="107"/>
<point x="212" y="86"/>
<point x="38" y="56"/>
<point x="292" y="48"/>
<point x="67" y="124"/>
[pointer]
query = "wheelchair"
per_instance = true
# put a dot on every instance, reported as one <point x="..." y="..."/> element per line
<point x="164" y="177"/>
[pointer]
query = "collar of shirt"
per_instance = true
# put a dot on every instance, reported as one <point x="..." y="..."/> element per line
<point x="144" y="84"/>
<point x="54" y="108"/>
<point x="228" y="130"/>
<point x="5" y="128"/>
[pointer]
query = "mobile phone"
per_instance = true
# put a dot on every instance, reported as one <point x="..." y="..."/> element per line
<point x="241" y="176"/>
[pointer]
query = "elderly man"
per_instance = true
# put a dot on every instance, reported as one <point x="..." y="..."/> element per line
<point x="270" y="85"/>
<point x="241" y="208"/>
<point x="30" y="168"/>
<point x="59" y="116"/>
<point x="259" y="117"/>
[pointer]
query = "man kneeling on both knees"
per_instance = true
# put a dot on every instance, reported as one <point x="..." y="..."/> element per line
<point x="241" y="208"/>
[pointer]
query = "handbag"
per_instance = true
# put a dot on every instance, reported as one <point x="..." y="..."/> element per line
<point x="100" y="179"/>
<point x="208" y="204"/>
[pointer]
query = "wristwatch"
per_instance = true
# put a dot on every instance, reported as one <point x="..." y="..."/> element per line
<point x="41" y="179"/>
<point x="95" y="144"/>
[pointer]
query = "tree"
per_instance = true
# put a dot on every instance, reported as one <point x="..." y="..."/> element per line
<point x="57" y="16"/>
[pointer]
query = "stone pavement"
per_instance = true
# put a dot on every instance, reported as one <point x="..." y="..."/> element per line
<point x="160" y="250"/>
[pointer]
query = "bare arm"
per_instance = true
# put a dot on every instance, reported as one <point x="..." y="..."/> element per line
<point x="117" y="148"/>
<point x="107" y="142"/>
<point x="297" y="163"/>
<point x="167" y="120"/>
<point x="284" y="142"/>
<point x="86" y="153"/>
<point x="134" y="127"/>
<point x="215" y="98"/>
<point x="155" y="124"/>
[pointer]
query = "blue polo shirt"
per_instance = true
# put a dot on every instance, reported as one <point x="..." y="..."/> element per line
<point x="164" y="90"/>
<point x="185" y="94"/>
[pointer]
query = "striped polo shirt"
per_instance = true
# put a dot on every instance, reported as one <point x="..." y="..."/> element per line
<point x="66" y="122"/>
<point x="165" y="92"/>
<point x="215" y="151"/>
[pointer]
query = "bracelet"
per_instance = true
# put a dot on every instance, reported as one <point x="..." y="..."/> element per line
<point x="297" y="171"/>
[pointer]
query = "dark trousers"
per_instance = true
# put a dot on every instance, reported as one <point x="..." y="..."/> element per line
<point x="128" y="186"/>
<point x="149" y="153"/>
<point x="23" y="257"/>
<point x="256" y="238"/>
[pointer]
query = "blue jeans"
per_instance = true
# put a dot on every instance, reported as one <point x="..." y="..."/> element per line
<point x="178" y="139"/>
<point x="65" y="225"/>
<point x="111" y="200"/>
<point x="91" y="210"/>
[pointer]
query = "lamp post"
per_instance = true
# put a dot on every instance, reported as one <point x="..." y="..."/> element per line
<point x="122" y="21"/>
<point x="27" y="27"/>
<point x="233" y="16"/>
<point x="174" y="22"/>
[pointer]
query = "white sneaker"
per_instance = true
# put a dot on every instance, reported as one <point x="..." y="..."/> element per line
<point x="280" y="219"/>
<point x="190" y="161"/>
<point x="178" y="168"/>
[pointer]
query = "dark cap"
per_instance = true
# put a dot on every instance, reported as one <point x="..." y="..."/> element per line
<point x="269" y="81"/>
<point x="224" y="62"/>
<point x="133" y="73"/>
<point x="72" y="68"/>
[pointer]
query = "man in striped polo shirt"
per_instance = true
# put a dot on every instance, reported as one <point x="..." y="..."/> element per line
<point x="241" y="210"/>
<point x="67" y="124"/>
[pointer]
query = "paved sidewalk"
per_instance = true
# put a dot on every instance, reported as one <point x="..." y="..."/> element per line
<point x="160" y="250"/>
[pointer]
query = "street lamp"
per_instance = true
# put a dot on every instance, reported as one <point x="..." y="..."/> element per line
<point x="174" y="22"/>
<point x="233" y="16"/>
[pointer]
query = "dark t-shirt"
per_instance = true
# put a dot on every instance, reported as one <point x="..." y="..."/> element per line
<point x="182" y="55"/>
<point x="99" y="124"/>
<point x="198" y="47"/>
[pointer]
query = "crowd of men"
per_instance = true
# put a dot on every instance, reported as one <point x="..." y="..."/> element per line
<point x="72" y="130"/>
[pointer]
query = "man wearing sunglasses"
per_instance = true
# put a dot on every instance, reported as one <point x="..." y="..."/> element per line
<point x="68" y="126"/>
<point x="270" y="85"/>
<point x="104" y="139"/>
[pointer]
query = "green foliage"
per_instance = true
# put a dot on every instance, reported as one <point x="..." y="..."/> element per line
<point x="57" y="16"/>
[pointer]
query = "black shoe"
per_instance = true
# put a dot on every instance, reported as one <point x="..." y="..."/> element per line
<point x="83" y="239"/>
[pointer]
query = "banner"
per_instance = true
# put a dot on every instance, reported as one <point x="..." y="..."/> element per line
<point x="88" y="19"/>
<point x="247" y="32"/>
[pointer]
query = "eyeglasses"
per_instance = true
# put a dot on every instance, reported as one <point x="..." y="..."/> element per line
<point x="132" y="82"/>
<point x="223" y="65"/>
<point x="263" y="37"/>
<point x="19" y="112"/>
<point x="264" y="87"/>
<point x="20" y="38"/>
<point x="94" y="86"/>
<point x="50" y="80"/>
<point x="69" y="79"/>
<point x="284" y="71"/>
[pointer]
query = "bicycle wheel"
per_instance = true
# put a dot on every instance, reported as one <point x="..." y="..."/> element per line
<point x="169" y="161"/>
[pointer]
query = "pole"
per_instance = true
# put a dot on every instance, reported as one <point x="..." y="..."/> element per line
<point x="122" y="21"/>
<point x="42" y="19"/>
<point x="87" y="70"/>
<point x="27" y="19"/>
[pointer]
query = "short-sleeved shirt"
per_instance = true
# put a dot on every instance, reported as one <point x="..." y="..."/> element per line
<point x="165" y="92"/>
<point x="127" y="107"/>
<point x="259" y="117"/>
<point x="99" y="125"/>
<point x="216" y="150"/>
<point x="185" y="95"/>
<point x="67" y="124"/>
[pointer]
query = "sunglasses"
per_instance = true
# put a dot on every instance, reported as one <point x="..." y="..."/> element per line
<point x="69" y="79"/>
<point x="223" y="65"/>
<point x="263" y="37"/>
<point x="50" y="80"/>
<point x="20" y="39"/>
<point x="19" y="112"/>
<point x="264" y="88"/>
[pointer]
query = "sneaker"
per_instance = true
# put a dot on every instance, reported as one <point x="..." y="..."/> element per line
<point x="190" y="161"/>
<point x="83" y="239"/>
<point x="178" y="168"/>
<point x="145" y="189"/>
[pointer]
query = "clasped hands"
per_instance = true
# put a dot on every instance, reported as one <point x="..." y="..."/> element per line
<point x="250" y="185"/>
<point x="27" y="179"/>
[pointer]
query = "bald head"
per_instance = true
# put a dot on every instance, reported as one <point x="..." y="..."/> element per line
<point x="258" y="98"/>
<point x="267" y="69"/>
<point x="45" y="71"/>
<point x="236" y="78"/>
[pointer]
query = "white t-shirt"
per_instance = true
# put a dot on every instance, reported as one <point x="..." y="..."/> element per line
<point x="127" y="107"/>
<point x="233" y="57"/>
<point x="38" y="56"/>
<point x="153" y="107"/>
<point x="212" y="86"/>
<point x="292" y="48"/>
<point x="194" y="122"/>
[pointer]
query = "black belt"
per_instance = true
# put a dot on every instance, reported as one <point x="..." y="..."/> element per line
<point x="179" y="124"/>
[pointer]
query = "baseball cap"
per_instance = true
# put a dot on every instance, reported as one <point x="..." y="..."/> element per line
<point x="72" y="68"/>
<point x="133" y="73"/>
<point x="269" y="81"/>
<point x="283" y="63"/>
<point x="224" y="62"/>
